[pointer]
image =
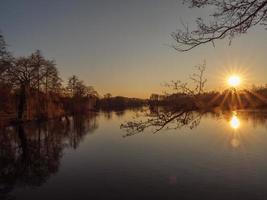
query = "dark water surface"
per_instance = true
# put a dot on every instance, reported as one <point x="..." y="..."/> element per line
<point x="225" y="157"/>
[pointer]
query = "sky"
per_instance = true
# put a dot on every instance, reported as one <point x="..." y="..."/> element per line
<point x="122" y="47"/>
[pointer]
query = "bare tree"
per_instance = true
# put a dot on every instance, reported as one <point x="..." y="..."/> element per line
<point x="21" y="74"/>
<point x="80" y="96"/>
<point x="91" y="92"/>
<point x="72" y="83"/>
<point x="198" y="80"/>
<point x="27" y="74"/>
<point x="107" y="96"/>
<point x="51" y="82"/>
<point x="230" y="18"/>
<point x="77" y="88"/>
<point x="173" y="117"/>
<point x="3" y="50"/>
<point x="5" y="58"/>
<point x="80" y="89"/>
<point x="30" y="88"/>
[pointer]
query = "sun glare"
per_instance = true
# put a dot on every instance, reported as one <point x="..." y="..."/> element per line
<point x="234" y="81"/>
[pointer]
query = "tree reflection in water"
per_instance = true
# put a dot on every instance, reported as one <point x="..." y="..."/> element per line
<point x="31" y="153"/>
<point x="159" y="118"/>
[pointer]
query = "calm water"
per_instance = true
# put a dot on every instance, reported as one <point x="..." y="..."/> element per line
<point x="224" y="157"/>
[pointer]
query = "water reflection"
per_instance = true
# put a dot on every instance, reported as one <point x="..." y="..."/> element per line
<point x="31" y="153"/>
<point x="235" y="121"/>
<point x="162" y="118"/>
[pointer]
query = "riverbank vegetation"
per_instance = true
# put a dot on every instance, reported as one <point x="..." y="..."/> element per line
<point x="31" y="89"/>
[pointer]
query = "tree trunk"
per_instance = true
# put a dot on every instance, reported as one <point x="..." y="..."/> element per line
<point x="22" y="101"/>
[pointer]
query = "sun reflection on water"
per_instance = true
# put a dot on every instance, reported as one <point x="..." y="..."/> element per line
<point x="235" y="125"/>
<point x="234" y="122"/>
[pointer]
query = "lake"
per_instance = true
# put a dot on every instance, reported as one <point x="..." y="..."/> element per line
<point x="221" y="156"/>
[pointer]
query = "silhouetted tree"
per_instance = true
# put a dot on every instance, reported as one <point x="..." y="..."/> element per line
<point x="31" y="88"/>
<point x="27" y="74"/>
<point x="5" y="57"/>
<point x="81" y="97"/>
<point x="91" y="92"/>
<point x="77" y="88"/>
<point x="196" y="88"/>
<point x="230" y="18"/>
<point x="107" y="96"/>
<point x="72" y="85"/>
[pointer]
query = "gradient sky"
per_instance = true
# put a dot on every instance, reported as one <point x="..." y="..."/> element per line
<point x="121" y="46"/>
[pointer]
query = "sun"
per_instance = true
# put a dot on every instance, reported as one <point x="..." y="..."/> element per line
<point x="234" y="81"/>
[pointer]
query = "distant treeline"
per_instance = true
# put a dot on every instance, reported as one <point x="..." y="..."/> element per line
<point x="229" y="99"/>
<point x="119" y="103"/>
